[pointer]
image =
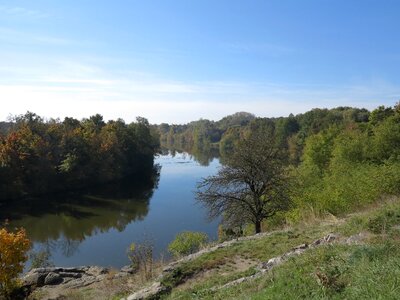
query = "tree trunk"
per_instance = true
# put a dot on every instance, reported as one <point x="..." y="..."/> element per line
<point x="258" y="226"/>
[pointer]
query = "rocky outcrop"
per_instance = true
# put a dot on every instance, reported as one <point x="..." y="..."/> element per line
<point x="68" y="277"/>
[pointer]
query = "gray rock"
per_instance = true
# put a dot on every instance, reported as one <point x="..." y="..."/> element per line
<point x="52" y="279"/>
<point x="356" y="239"/>
<point x="34" y="279"/>
<point x="128" y="269"/>
<point x="95" y="271"/>
<point x="71" y="274"/>
<point x="153" y="291"/>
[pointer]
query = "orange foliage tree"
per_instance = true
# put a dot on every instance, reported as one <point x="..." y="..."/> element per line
<point x="13" y="255"/>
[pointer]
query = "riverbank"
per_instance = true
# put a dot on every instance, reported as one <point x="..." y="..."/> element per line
<point x="325" y="258"/>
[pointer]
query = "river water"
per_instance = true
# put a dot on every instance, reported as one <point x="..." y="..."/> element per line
<point x="97" y="227"/>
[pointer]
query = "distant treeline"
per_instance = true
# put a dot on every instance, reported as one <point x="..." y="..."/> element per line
<point x="291" y="132"/>
<point x="339" y="158"/>
<point x="38" y="156"/>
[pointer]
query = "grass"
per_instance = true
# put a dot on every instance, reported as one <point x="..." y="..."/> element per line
<point x="330" y="272"/>
<point x="367" y="270"/>
<point x="255" y="250"/>
<point x="355" y="271"/>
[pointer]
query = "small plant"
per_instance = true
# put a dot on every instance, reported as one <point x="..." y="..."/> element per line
<point x="329" y="275"/>
<point x="230" y="233"/>
<point x="384" y="221"/>
<point x="141" y="257"/>
<point x="13" y="255"/>
<point x="187" y="242"/>
<point x="40" y="259"/>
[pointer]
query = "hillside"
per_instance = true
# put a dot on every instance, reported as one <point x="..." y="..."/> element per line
<point x="328" y="258"/>
<point x="354" y="257"/>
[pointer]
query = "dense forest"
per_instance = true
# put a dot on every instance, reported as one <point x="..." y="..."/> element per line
<point x="39" y="156"/>
<point x="338" y="159"/>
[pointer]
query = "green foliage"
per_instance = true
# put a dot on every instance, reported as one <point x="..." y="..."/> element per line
<point x="252" y="186"/>
<point x="335" y="271"/>
<point x="384" y="221"/>
<point x="38" y="156"/>
<point x="345" y="168"/>
<point x="290" y="132"/>
<point x="187" y="242"/>
<point x="340" y="272"/>
<point x="380" y="114"/>
<point x="141" y="257"/>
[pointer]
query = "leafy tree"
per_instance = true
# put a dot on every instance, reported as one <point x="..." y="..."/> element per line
<point x="380" y="114"/>
<point x="13" y="255"/>
<point x="253" y="184"/>
<point x="386" y="140"/>
<point x="38" y="156"/>
<point x="318" y="150"/>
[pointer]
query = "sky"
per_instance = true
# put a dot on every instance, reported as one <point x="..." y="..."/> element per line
<point x="177" y="61"/>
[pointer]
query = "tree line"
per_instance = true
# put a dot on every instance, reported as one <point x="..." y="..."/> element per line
<point x="290" y="132"/>
<point x="285" y="169"/>
<point x="39" y="156"/>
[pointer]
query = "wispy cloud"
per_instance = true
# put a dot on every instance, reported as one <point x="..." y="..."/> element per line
<point x="269" y="49"/>
<point x="73" y="88"/>
<point x="21" y="12"/>
<point x="25" y="37"/>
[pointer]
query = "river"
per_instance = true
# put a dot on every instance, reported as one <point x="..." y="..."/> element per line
<point x="97" y="227"/>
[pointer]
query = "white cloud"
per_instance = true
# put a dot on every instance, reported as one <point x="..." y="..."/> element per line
<point x="8" y="35"/>
<point x="21" y="12"/>
<point x="269" y="49"/>
<point x="69" y="88"/>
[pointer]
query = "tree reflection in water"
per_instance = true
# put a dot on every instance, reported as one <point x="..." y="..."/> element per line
<point x="203" y="156"/>
<point x="62" y="222"/>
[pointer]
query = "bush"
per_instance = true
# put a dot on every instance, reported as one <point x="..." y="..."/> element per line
<point x="13" y="255"/>
<point x="41" y="259"/>
<point x="187" y="242"/>
<point x="141" y="257"/>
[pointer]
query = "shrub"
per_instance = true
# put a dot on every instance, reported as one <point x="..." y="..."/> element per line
<point x="41" y="259"/>
<point x="187" y="242"/>
<point x="141" y="257"/>
<point x="13" y="255"/>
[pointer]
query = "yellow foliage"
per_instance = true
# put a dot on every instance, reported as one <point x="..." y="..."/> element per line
<point x="13" y="255"/>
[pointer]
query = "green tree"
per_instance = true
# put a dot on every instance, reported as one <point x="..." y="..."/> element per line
<point x="253" y="184"/>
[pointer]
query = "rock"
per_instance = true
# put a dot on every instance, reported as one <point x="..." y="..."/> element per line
<point x="326" y="239"/>
<point x="69" y="277"/>
<point x="34" y="279"/>
<point x="71" y="274"/>
<point x="128" y="269"/>
<point x="271" y="263"/>
<point x="357" y="238"/>
<point x="153" y="291"/>
<point x="330" y="238"/>
<point x="301" y="247"/>
<point x="95" y="270"/>
<point x="52" y="279"/>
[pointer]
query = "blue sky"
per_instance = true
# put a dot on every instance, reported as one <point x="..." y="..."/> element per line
<point x="177" y="61"/>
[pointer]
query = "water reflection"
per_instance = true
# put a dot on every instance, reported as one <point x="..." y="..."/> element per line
<point x="203" y="156"/>
<point x="64" y="221"/>
<point x="95" y="227"/>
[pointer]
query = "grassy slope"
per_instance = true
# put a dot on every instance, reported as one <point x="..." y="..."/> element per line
<point x="367" y="270"/>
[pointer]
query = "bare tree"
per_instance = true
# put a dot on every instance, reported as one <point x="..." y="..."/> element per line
<point x="252" y="186"/>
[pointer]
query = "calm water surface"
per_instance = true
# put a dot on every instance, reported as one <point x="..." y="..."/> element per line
<point x="97" y="228"/>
